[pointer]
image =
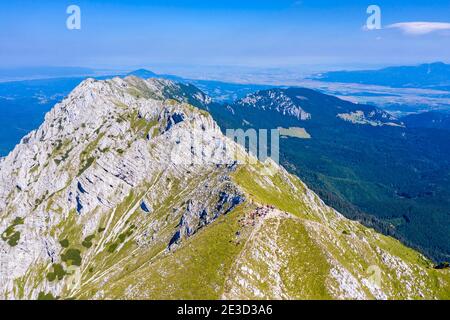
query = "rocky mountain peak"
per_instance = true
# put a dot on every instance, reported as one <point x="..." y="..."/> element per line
<point x="127" y="190"/>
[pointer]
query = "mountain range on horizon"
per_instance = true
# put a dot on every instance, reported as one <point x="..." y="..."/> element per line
<point x="434" y="75"/>
<point x="129" y="190"/>
<point x="425" y="75"/>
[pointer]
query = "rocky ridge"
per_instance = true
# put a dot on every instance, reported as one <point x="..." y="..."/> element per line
<point x="129" y="191"/>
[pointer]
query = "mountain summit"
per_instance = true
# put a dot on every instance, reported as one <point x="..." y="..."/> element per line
<point x="143" y="73"/>
<point x="127" y="190"/>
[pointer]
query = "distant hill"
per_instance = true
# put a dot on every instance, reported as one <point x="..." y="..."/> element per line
<point x="315" y="107"/>
<point x="143" y="73"/>
<point x="434" y="75"/>
<point x="432" y="119"/>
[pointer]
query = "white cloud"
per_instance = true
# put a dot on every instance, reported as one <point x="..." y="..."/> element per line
<point x="420" y="28"/>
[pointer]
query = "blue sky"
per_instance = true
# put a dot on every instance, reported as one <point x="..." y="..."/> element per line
<point x="259" y="33"/>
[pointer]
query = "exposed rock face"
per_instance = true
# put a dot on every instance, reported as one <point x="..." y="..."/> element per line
<point x="127" y="191"/>
<point x="108" y="142"/>
<point x="314" y="107"/>
<point x="275" y="100"/>
<point x="373" y="118"/>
